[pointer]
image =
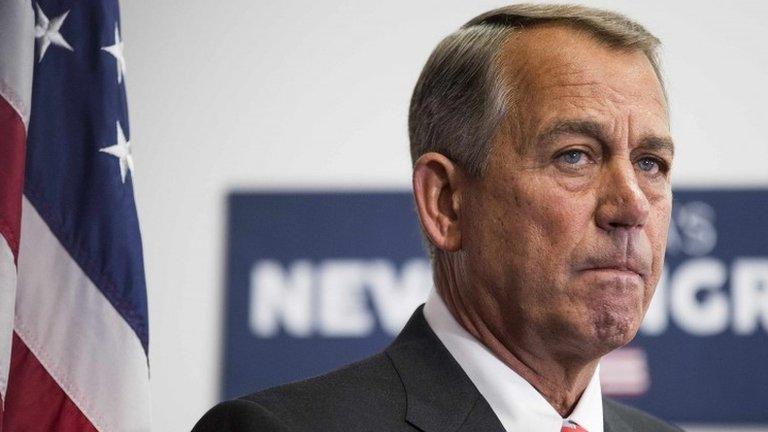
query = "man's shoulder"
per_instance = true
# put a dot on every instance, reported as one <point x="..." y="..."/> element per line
<point x="354" y="384"/>
<point x="619" y="417"/>
<point x="365" y="392"/>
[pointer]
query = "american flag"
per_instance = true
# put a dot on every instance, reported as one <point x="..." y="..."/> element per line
<point x="625" y="372"/>
<point x="73" y="307"/>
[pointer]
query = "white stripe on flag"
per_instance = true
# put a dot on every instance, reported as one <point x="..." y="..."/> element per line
<point x="76" y="334"/>
<point x="17" y="54"/>
<point x="624" y="372"/>
<point x="7" y="295"/>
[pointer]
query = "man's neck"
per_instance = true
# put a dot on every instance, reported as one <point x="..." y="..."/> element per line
<point x="560" y="381"/>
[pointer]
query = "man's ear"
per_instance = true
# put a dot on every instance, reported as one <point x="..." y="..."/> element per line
<point x="437" y="184"/>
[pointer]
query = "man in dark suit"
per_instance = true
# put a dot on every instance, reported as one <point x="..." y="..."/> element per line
<point x="541" y="176"/>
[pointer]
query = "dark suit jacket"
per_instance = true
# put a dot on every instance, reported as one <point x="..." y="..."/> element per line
<point x="414" y="385"/>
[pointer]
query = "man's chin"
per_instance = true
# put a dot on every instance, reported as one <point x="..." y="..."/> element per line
<point x="614" y="314"/>
<point x="613" y="331"/>
<point x="596" y="335"/>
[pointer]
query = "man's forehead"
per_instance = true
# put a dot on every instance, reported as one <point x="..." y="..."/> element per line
<point x="558" y="73"/>
<point x="600" y="132"/>
<point x="552" y="54"/>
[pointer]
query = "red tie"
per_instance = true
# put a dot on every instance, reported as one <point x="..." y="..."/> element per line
<point x="571" y="426"/>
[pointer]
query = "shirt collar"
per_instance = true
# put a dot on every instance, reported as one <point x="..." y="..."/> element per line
<point x="517" y="404"/>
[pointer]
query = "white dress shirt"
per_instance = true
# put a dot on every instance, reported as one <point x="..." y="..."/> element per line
<point x="516" y="402"/>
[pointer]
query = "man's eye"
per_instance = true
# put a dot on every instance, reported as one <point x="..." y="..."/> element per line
<point x="649" y="165"/>
<point x="573" y="157"/>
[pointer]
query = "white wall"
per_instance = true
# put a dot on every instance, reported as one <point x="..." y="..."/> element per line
<point x="237" y="93"/>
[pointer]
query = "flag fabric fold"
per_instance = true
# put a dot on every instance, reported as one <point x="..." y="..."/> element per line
<point x="16" y="63"/>
<point x="71" y="265"/>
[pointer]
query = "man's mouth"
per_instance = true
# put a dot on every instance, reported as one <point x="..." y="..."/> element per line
<point x="618" y="267"/>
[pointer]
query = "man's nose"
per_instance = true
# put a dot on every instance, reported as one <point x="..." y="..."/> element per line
<point x="622" y="202"/>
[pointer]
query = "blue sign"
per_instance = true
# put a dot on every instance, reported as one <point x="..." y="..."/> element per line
<point x="318" y="280"/>
<point x="706" y="334"/>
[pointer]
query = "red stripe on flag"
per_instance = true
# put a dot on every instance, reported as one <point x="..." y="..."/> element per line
<point x="12" y="148"/>
<point x="34" y="401"/>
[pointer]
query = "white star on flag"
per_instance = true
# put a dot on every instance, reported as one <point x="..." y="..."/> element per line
<point x="48" y="31"/>
<point x="122" y="151"/>
<point x="117" y="51"/>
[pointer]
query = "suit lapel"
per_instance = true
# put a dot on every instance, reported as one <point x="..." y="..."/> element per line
<point x="439" y="395"/>
<point x="481" y="418"/>
<point x="612" y="421"/>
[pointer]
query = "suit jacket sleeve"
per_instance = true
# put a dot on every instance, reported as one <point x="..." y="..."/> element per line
<point x="239" y="416"/>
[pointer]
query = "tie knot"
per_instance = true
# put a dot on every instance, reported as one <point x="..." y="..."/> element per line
<point x="571" y="426"/>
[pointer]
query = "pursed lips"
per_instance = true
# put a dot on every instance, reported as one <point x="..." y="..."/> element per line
<point x="630" y="267"/>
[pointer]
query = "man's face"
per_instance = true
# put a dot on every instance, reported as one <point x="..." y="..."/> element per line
<point x="563" y="238"/>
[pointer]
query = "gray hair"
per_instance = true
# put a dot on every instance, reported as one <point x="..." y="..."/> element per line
<point x="461" y="97"/>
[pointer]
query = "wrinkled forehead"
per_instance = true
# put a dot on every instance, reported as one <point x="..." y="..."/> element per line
<point x="556" y="70"/>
